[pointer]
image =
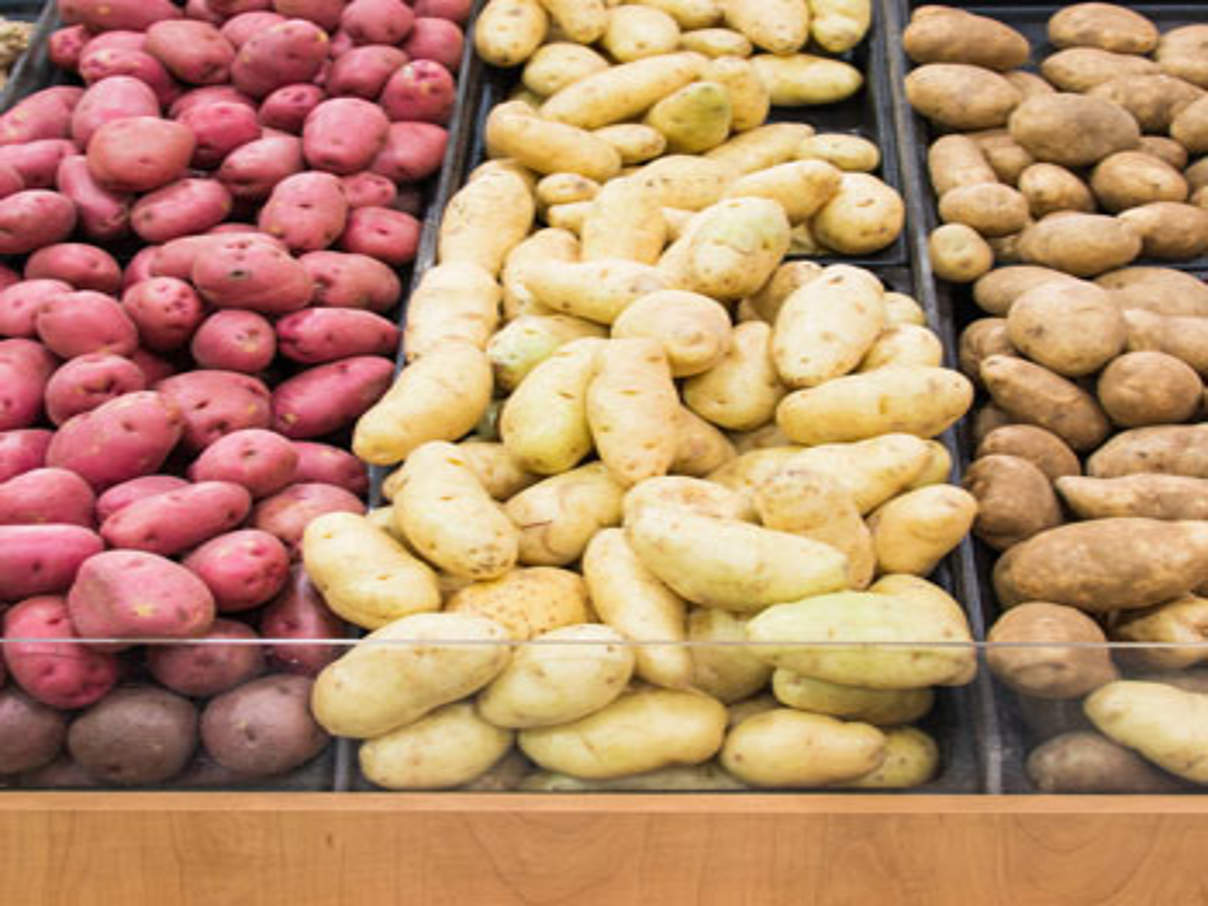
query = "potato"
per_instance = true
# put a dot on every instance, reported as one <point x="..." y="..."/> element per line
<point x="1086" y="762"/>
<point x="261" y="461"/>
<point x="1149" y="388"/>
<point x="485" y="219"/>
<point x="1037" y="396"/>
<point x="554" y="66"/>
<point x="839" y="25"/>
<point x="741" y="391"/>
<point x="636" y="604"/>
<point x="513" y="131"/>
<point x="1168" y="449"/>
<point x="700" y="447"/>
<point x="997" y="291"/>
<point x="533" y="252"/>
<point x="79" y="323"/>
<point x="457" y="301"/>
<point x="804" y="80"/>
<point x="263" y="728"/>
<point x="203" y="669"/>
<point x="1178" y="336"/>
<point x="730" y="249"/>
<point x="43" y="496"/>
<point x="958" y="253"/>
<point x="748" y="96"/>
<point x="624" y="220"/>
<point x="1015" y="500"/>
<point x="508" y="31"/>
<point x="787" y="748"/>
<point x="705" y="498"/>
<point x="565" y="188"/>
<point x="1056" y="672"/>
<point x="722" y="667"/>
<point x="948" y="35"/>
<point x="1161" y="722"/>
<point x="528" y="340"/>
<point x="863" y="217"/>
<point x="693" y="329"/>
<point x="1080" y="244"/>
<point x="689" y="13"/>
<point x="135" y="736"/>
<point x="1154" y="496"/>
<point x="559" y="515"/>
<point x="1049" y="187"/>
<point x="243" y="569"/>
<point x="729" y="564"/>
<point x="31" y="734"/>
<point x="634" y="32"/>
<point x="746" y="472"/>
<point x="526" y="602"/>
<point x="1103" y="25"/>
<point x="623" y="91"/>
<point x="1165" y="149"/>
<point x="62" y="674"/>
<point x="914" y="531"/>
<point x="1168" y="229"/>
<point x="990" y="208"/>
<point x="961" y="97"/>
<point x="439" y="397"/>
<point x="116" y="166"/>
<point x="1127" y="179"/>
<point x="757" y="149"/>
<point x="954" y="161"/>
<point x="911" y="759"/>
<point x="880" y="707"/>
<point x="780" y="27"/>
<point x="1184" y="619"/>
<point x="635" y="142"/>
<point x="779" y="636"/>
<point x="1139" y="562"/>
<point x="1154" y="100"/>
<point x="1072" y="328"/>
<point x="596" y="290"/>
<point x="643" y="730"/>
<point x="789" y="277"/>
<point x="802" y="188"/>
<point x="873" y="470"/>
<point x="1079" y="69"/>
<point x="903" y="344"/>
<point x="1072" y="130"/>
<point x="267" y="279"/>
<point x="1178" y="51"/>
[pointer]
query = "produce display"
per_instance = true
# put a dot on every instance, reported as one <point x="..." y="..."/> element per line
<point x="199" y="299"/>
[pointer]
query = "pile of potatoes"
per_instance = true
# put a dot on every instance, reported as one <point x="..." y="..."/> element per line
<point x="676" y="94"/>
<point x="1091" y="475"/>
<point x="631" y="495"/>
<point x="1083" y="168"/>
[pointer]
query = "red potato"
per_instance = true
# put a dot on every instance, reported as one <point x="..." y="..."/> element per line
<point x="324" y="13"/>
<point x="43" y="496"/>
<point x="342" y="280"/>
<point x="176" y="258"/>
<point x="42" y="559"/>
<point x="215" y="403"/>
<point x="307" y="211"/>
<point x="421" y="91"/>
<point x="139" y="268"/>
<point x="251" y="171"/>
<point x="34" y="218"/>
<point x="176" y="521"/>
<point x="85" y="321"/>
<point x="103" y="64"/>
<point x="287" y="107"/>
<point x="287" y="513"/>
<point x="103" y="15"/>
<point x="376" y="21"/>
<point x="413" y="152"/>
<point x="137" y="594"/>
<point x="153" y="367"/>
<point x="344" y="135"/>
<point x="388" y="235"/>
<point x="122" y="495"/>
<point x="22" y="451"/>
<point x="11" y="180"/>
<point x="165" y="310"/>
<point x="435" y="39"/>
<point x="454" y="10"/>
<point x="102" y="214"/>
<point x="201" y="11"/>
<point x="234" y="340"/>
<point x="363" y="71"/>
<point x="44" y="114"/>
<point x="122" y="439"/>
<point x="238" y="30"/>
<point x="318" y="335"/>
<point x="118" y="39"/>
<point x="242" y="569"/>
<point x="62" y="674"/>
<point x="194" y="52"/>
<point x="139" y="154"/>
<point x="25" y="367"/>
<point x="326" y="464"/>
<point x="364" y="190"/>
<point x="21" y="302"/>
<point x="326" y="398"/>
<point x="300" y="612"/>
<point x="37" y="163"/>
<point x="89" y="381"/>
<point x="264" y="728"/>
<point x="246" y="270"/>
<point x="83" y="266"/>
<point x="208" y="94"/>
<point x="65" y="45"/>
<point x="182" y="208"/>
<point x="292" y="51"/>
<point x="206" y="669"/>
<point x="262" y="461"/>
<point x="114" y="98"/>
<point x="219" y="129"/>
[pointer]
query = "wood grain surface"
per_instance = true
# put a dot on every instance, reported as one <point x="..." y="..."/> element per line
<point x="222" y="849"/>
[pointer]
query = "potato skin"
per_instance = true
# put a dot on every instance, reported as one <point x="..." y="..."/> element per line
<point x="1169" y="229"/>
<point x="135" y="736"/>
<point x="1161" y="722"/>
<point x="560" y="514"/>
<point x="1154" y="100"/>
<point x="1079" y="69"/>
<point x="526" y="602"/>
<point x="1127" y="179"/>
<point x="1074" y="329"/>
<point x="1080" y="244"/>
<point x="958" y="254"/>
<point x="1014" y="500"/>
<point x="264" y="727"/>
<point x="200" y="671"/>
<point x="1082" y="761"/>
<point x="1041" y="448"/>
<point x="175" y="521"/>
<point x="1072" y="130"/>
<point x="1151" y="495"/>
<point x="787" y="748"/>
<point x="1051" y="187"/>
<point x="1104" y="25"/>
<point x="46" y="496"/>
<point x="1168" y="449"/>
<point x="947" y="35"/>
<point x="1055" y="672"/>
<point x="961" y="97"/>
<point x="1035" y="395"/>
<point x="990" y="208"/>
<point x="31" y="734"/>
<point x="1149" y="388"/>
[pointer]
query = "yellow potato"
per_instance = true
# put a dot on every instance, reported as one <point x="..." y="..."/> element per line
<point x="732" y="565"/>
<point x="631" y="405"/>
<point x="693" y="329"/>
<point x="1166" y="725"/>
<point x="847" y="152"/>
<point x="583" y="21"/>
<point x="505" y="165"/>
<point x="526" y="602"/>
<point x="784" y="748"/>
<point x="880" y="707"/>
<point x="448" y="516"/>
<point x="452" y="302"/>
<point x="630" y="599"/>
<point x="544" y="422"/>
<point x="446" y="748"/>
<point x="624" y="91"/>
<point x="635" y="32"/>
<point x="564" y="188"/>
<point x="508" y="31"/>
<point x="1185" y="619"/>
<point x="717" y="42"/>
<point x="635" y="142"/>
<point x="439" y="397"/>
<point x="596" y="290"/>
<point x="513" y="130"/>
<point x="938" y="469"/>
<point x="911" y="399"/>
<point x="705" y="498"/>
<point x="643" y="730"/>
<point x="689" y="13"/>
<point x="911" y="759"/>
<point x="864" y="216"/>
<point x="538" y="249"/>
<point x="839" y="25"/>
<point x="693" y="119"/>
<point x="873" y="470"/>
<point x="500" y="473"/>
<point x="902" y="309"/>
<point x="903" y="344"/>
<point x="789" y="277"/>
<point x="804" y="80"/>
<point x="913" y="532"/>
<point x="721" y="665"/>
<point x="529" y="340"/>
<point x="749" y="97"/>
<point x="741" y="391"/>
<point x="554" y="66"/>
<point x="700" y="448"/>
<point x="686" y="182"/>
<point x="548" y="683"/>
<point x="558" y="516"/>
<point x="485" y="219"/>
<point x="397" y="674"/>
<point x="778" y="26"/>
<point x="625" y="221"/>
<point x="760" y="148"/>
<point x="363" y="574"/>
<point x="801" y="187"/>
<point x="827" y="326"/>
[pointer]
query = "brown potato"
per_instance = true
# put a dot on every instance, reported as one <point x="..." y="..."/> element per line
<point x="1057" y="672"/>
<point x="1085" y="761"/>
<point x="1154" y="100"/>
<point x="1149" y="388"/>
<point x="997" y="290"/>
<point x="1190" y="127"/>
<point x="135" y="736"/>
<point x="988" y="418"/>
<point x="31" y="733"/>
<point x="1072" y="129"/>
<point x="1167" y="449"/>
<point x="1104" y="25"/>
<point x="1105" y="564"/>
<point x="1041" y="448"/>
<point x="1028" y="83"/>
<point x="1051" y="187"/>
<point x="1082" y="68"/>
<point x="1184" y="338"/>
<point x="983" y="338"/>
<point x="1152" y="496"/>
<point x="949" y="35"/>
<point x="1080" y="244"/>
<point x="1180" y="52"/>
<point x="1006" y="157"/>
<point x="1166" y="149"/>
<point x="1161" y="290"/>
<point x="957" y="160"/>
<point x="1197" y="173"/>
<point x="1130" y="178"/>
<point x="1070" y="327"/>
<point x="1014" y="500"/>
<point x="958" y="253"/>
<point x="990" y="208"/>
<point x="1034" y="395"/>
<point x="960" y="96"/>
<point x="1169" y="230"/>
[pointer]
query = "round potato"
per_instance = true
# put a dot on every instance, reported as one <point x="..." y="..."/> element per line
<point x="1149" y="388"/>
<point x="1072" y="129"/>
<point x="961" y="97"/>
<point x="1130" y="178"/>
<point x="787" y="748"/>
<point x="263" y="728"/>
<point x="693" y="329"/>
<point x="1079" y="69"/>
<point x="863" y="217"/>
<point x="980" y="340"/>
<point x="958" y="253"/>
<point x="1051" y="187"/>
<point x="31" y="733"/>
<point x="1072" y="328"/>
<point x="526" y="602"/>
<point x="990" y="208"/>
<point x="135" y="736"/>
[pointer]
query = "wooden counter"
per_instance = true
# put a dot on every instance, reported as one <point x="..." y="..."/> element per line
<point x="223" y="849"/>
